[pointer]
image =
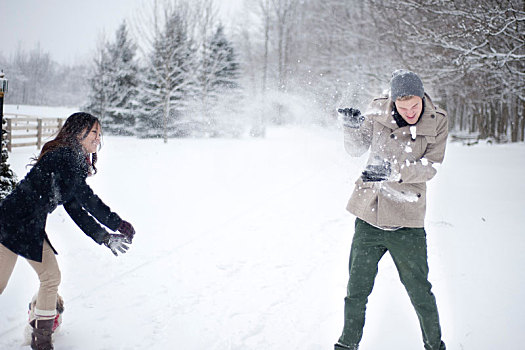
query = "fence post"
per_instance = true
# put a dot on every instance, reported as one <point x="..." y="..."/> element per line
<point x="39" y="133"/>
<point x="9" y="135"/>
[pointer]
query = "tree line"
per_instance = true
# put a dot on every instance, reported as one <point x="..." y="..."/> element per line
<point x="469" y="53"/>
<point x="291" y="59"/>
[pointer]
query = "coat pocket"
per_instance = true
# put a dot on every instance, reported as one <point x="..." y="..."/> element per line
<point x="401" y="204"/>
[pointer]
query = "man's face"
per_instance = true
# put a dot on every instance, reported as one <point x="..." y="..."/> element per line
<point x="410" y="109"/>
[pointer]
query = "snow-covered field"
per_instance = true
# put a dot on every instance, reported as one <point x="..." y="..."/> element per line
<point x="243" y="244"/>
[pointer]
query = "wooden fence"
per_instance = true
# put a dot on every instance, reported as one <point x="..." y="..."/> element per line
<point x="27" y="127"/>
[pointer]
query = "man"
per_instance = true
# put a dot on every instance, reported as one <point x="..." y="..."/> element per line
<point x="406" y="134"/>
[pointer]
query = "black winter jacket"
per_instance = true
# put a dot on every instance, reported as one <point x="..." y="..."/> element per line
<point x="59" y="178"/>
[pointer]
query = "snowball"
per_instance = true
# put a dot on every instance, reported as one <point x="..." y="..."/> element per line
<point x="413" y="132"/>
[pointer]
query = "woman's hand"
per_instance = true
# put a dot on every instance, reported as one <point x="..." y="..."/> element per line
<point x="127" y="230"/>
<point x="117" y="243"/>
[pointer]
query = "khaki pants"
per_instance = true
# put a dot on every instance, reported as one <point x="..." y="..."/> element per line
<point x="48" y="273"/>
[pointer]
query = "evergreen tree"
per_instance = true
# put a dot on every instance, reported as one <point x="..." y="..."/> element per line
<point x="168" y="81"/>
<point x="222" y="70"/>
<point x="219" y="68"/>
<point x="124" y="75"/>
<point x="114" y="84"/>
<point x="100" y="84"/>
<point x="224" y="62"/>
<point x="8" y="179"/>
<point x="216" y="83"/>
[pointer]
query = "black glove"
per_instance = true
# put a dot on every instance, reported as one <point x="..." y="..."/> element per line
<point x="377" y="172"/>
<point x="117" y="243"/>
<point x="127" y="230"/>
<point x="351" y="117"/>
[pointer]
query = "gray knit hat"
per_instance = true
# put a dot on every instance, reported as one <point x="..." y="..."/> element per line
<point x="405" y="83"/>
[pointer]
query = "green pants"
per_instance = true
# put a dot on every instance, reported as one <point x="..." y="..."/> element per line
<point x="408" y="248"/>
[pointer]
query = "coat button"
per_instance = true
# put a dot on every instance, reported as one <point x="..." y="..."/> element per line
<point x="392" y="136"/>
<point x="433" y="116"/>
<point x="419" y="195"/>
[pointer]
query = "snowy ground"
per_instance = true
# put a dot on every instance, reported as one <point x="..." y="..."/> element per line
<point x="243" y="244"/>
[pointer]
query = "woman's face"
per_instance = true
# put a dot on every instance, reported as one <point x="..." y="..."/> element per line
<point x="91" y="142"/>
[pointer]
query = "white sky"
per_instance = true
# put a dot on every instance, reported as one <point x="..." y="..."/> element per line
<point x="68" y="29"/>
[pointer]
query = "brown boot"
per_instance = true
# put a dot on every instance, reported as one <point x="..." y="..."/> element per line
<point x="41" y="337"/>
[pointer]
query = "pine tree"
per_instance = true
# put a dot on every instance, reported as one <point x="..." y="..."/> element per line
<point x="8" y="179"/>
<point x="168" y="81"/>
<point x="114" y="84"/>
<point x="216" y="82"/>
<point x="120" y="119"/>
<point x="222" y="71"/>
<point x="224" y="62"/>
<point x="100" y="84"/>
<point x="219" y="69"/>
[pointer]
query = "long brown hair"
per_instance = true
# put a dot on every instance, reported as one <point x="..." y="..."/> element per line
<point x="68" y="135"/>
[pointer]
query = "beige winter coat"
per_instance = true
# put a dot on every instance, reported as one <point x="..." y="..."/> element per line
<point x="412" y="151"/>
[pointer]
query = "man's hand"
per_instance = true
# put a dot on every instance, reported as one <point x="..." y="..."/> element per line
<point x="351" y="117"/>
<point x="117" y="243"/>
<point x="377" y="173"/>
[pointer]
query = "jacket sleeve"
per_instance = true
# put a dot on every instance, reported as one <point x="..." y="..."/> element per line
<point x="85" y="221"/>
<point x="423" y="170"/>
<point x="74" y="178"/>
<point x="94" y="205"/>
<point x="358" y="141"/>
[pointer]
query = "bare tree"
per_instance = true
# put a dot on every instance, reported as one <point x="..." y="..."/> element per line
<point x="30" y="73"/>
<point x="463" y="45"/>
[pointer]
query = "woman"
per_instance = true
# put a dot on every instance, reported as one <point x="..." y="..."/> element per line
<point x="58" y="177"/>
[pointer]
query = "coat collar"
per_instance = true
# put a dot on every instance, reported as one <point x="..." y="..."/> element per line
<point x="426" y="126"/>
